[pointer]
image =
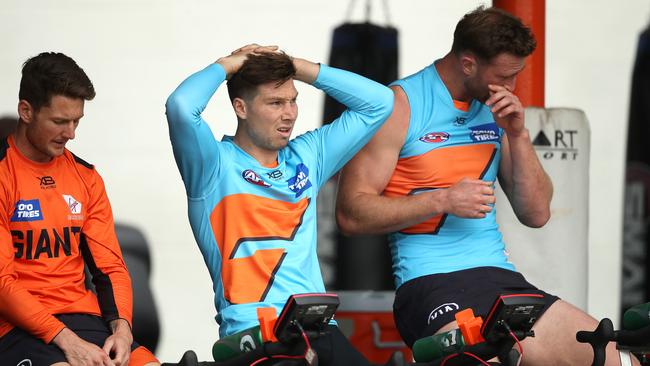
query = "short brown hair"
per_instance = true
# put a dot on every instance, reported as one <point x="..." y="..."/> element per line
<point x="50" y="74"/>
<point x="260" y="69"/>
<point x="488" y="32"/>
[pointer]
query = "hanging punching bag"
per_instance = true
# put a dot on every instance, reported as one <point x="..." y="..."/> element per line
<point x="636" y="213"/>
<point x="369" y="50"/>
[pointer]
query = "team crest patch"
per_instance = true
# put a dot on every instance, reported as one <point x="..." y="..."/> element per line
<point x="254" y="178"/>
<point x="435" y="137"/>
<point x="27" y="210"/>
<point x="485" y="132"/>
<point x="73" y="204"/>
<point x="300" y="182"/>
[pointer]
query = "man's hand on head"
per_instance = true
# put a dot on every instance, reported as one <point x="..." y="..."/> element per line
<point x="233" y="62"/>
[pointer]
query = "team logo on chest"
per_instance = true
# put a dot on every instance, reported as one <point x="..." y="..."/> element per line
<point x="460" y="121"/>
<point x="300" y="182"/>
<point x="47" y="182"/>
<point x="27" y="210"/>
<point x="254" y="178"/>
<point x="73" y="204"/>
<point x="485" y="132"/>
<point x="275" y="175"/>
<point x="435" y="137"/>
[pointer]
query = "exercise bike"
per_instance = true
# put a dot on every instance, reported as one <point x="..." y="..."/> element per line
<point x="634" y="338"/>
<point x="304" y="318"/>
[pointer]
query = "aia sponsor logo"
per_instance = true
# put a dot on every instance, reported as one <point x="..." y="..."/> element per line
<point x="435" y="137"/>
<point x="300" y="182"/>
<point x="442" y="310"/>
<point x="485" y="132"/>
<point x="252" y="177"/>
<point x="27" y="210"/>
<point x="47" y="182"/>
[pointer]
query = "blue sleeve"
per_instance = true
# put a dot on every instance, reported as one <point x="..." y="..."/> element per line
<point x="369" y="105"/>
<point x="196" y="151"/>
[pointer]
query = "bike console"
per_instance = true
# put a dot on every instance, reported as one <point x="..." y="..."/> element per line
<point x="311" y="312"/>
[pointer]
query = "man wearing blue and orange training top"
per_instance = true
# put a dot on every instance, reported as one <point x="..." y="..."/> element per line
<point x="54" y="218"/>
<point x="252" y="197"/>
<point x="427" y="178"/>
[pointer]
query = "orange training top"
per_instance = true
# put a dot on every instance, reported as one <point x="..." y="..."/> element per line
<point x="55" y="216"/>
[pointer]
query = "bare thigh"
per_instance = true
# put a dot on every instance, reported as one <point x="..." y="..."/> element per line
<point x="555" y="339"/>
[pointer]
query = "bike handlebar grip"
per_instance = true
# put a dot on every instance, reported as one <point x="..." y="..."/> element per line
<point x="236" y="344"/>
<point x="637" y="317"/>
<point x="598" y="340"/>
<point x="438" y="345"/>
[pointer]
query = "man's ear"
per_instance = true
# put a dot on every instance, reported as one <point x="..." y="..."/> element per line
<point x="468" y="63"/>
<point x="25" y="111"/>
<point x="240" y="107"/>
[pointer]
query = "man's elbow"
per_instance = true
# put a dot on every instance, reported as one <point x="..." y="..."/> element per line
<point x="389" y="102"/>
<point x="346" y="223"/>
<point x="173" y="104"/>
<point x="536" y="220"/>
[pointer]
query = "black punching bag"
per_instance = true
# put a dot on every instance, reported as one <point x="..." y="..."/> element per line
<point x="360" y="262"/>
<point x="636" y="227"/>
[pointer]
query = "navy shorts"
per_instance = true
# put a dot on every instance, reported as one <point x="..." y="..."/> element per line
<point x="21" y="348"/>
<point x="425" y="304"/>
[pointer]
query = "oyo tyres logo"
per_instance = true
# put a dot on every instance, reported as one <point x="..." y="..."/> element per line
<point x="27" y="210"/>
<point x="252" y="177"/>
<point x="300" y="182"/>
<point x="441" y="310"/>
<point x="486" y="132"/>
<point x="435" y="137"/>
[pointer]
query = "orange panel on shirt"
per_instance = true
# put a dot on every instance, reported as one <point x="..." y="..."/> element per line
<point x="244" y="217"/>
<point x="438" y="168"/>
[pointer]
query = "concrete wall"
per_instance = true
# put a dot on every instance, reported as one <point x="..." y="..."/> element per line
<point x="137" y="51"/>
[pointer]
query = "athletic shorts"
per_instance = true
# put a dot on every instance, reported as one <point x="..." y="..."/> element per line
<point x="19" y="348"/>
<point x="425" y="304"/>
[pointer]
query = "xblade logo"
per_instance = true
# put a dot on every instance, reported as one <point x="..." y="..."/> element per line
<point x="47" y="182"/>
<point x="275" y="175"/>
<point x="252" y="177"/>
<point x="486" y="132"/>
<point x="28" y="210"/>
<point x="460" y="121"/>
<point x="561" y="146"/>
<point x="435" y="137"/>
<point x="300" y="182"/>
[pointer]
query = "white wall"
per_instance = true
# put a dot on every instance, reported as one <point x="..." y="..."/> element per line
<point x="137" y="51"/>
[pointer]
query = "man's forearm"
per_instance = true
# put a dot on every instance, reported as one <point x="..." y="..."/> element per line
<point x="532" y="189"/>
<point x="306" y="71"/>
<point x="371" y="214"/>
<point x="121" y="326"/>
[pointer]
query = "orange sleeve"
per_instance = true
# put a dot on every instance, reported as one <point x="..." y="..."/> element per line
<point x="103" y="256"/>
<point x="17" y="305"/>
